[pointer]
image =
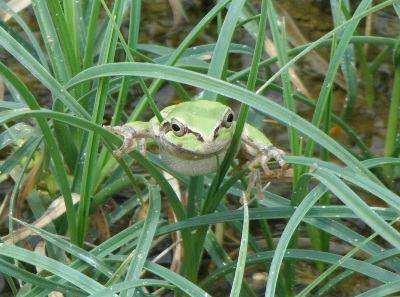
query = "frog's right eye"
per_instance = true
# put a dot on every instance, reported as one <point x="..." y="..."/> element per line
<point x="228" y="119"/>
<point x="177" y="127"/>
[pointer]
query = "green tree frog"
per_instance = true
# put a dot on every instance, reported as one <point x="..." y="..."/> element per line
<point x="194" y="137"/>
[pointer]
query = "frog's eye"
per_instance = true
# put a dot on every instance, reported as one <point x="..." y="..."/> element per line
<point x="228" y="119"/>
<point x="177" y="127"/>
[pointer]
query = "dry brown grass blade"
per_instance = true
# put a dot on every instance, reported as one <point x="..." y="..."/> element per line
<point x="178" y="11"/>
<point x="4" y="208"/>
<point x="55" y="210"/>
<point x="296" y="81"/>
<point x="40" y="248"/>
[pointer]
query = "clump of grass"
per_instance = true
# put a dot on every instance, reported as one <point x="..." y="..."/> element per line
<point x="64" y="158"/>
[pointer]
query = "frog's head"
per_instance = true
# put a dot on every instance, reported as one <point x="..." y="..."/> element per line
<point x="197" y="130"/>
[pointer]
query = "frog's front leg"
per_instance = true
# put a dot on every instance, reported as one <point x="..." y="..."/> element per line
<point x="134" y="134"/>
<point x="256" y="144"/>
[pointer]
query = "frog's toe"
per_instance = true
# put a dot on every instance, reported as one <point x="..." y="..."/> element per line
<point x="278" y="156"/>
<point x="118" y="153"/>
<point x="130" y="142"/>
<point x="271" y="152"/>
<point x="128" y="146"/>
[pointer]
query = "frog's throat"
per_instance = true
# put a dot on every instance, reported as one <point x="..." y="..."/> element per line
<point x="193" y="166"/>
<point x="185" y="154"/>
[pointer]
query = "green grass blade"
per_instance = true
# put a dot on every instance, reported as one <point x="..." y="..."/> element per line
<point x="389" y="289"/>
<point x="65" y="24"/>
<point x="78" y="252"/>
<point x="219" y="60"/>
<point x="51" y="41"/>
<point x="27" y="148"/>
<point x="180" y="282"/>
<point x="74" y="277"/>
<point x="146" y="238"/>
<point x="347" y="196"/>
<point x="110" y="291"/>
<point x="347" y="64"/>
<point x="393" y="126"/>
<point x="36" y="49"/>
<point x="239" y="272"/>
<point x="12" y="270"/>
<point x="41" y="73"/>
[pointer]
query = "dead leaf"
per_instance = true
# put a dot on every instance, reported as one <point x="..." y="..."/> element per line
<point x="55" y="210"/>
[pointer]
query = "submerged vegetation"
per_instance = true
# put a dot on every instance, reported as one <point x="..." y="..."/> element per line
<point x="328" y="224"/>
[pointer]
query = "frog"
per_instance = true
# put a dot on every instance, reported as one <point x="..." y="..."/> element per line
<point x="194" y="137"/>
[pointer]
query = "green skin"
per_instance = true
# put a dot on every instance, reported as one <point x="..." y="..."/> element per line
<point x="195" y="136"/>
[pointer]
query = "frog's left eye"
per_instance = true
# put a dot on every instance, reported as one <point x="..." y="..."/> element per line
<point x="177" y="127"/>
<point x="228" y="119"/>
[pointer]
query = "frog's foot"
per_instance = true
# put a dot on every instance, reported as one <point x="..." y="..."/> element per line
<point x="266" y="154"/>
<point x="254" y="180"/>
<point x="131" y="140"/>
